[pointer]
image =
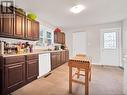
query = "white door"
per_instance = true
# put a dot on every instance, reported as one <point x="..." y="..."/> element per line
<point x="79" y="43"/>
<point x="111" y="47"/>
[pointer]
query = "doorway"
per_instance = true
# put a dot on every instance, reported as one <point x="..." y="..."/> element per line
<point x="79" y="43"/>
<point x="110" y="46"/>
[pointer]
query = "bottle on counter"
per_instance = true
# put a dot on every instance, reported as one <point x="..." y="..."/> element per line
<point x="1" y="47"/>
<point x="31" y="48"/>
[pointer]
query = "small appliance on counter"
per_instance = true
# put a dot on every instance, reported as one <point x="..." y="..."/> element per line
<point x="57" y="48"/>
<point x="62" y="47"/>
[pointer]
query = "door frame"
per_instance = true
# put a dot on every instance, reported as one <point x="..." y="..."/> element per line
<point x="119" y="41"/>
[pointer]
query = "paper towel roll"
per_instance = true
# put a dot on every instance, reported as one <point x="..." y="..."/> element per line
<point x="1" y="47"/>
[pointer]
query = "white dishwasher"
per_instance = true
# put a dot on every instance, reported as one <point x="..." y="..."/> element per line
<point x="44" y="64"/>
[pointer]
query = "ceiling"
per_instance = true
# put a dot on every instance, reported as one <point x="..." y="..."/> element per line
<point x="57" y="12"/>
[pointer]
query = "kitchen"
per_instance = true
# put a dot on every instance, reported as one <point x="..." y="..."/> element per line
<point x="36" y="44"/>
<point x="21" y="52"/>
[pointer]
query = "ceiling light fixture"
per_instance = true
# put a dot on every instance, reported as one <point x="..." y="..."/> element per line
<point x="77" y="9"/>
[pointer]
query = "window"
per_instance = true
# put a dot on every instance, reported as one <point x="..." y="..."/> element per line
<point x="110" y="40"/>
<point x="49" y="38"/>
<point x="41" y="38"/>
<point x="46" y="36"/>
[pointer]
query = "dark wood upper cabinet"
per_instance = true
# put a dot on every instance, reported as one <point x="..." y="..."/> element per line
<point x="19" y="26"/>
<point x="55" y="37"/>
<point x="29" y="32"/>
<point x="59" y="37"/>
<point x="32" y="30"/>
<point x="63" y="38"/>
<point x="0" y="23"/>
<point x="7" y="26"/>
<point x="35" y="29"/>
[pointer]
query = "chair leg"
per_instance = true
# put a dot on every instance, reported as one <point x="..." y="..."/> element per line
<point x="78" y="73"/>
<point x="70" y="79"/>
<point x="90" y="74"/>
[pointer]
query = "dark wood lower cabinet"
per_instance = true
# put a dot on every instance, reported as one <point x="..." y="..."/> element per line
<point x="14" y="76"/>
<point x="59" y="58"/>
<point x="16" y="72"/>
<point x="53" y="61"/>
<point x="32" y="68"/>
<point x="66" y="56"/>
<point x="63" y="57"/>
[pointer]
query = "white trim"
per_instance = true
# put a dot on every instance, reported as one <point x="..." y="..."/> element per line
<point x="96" y="63"/>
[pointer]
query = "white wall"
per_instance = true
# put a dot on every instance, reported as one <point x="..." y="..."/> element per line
<point x="124" y="37"/>
<point x="124" y="51"/>
<point x="93" y="38"/>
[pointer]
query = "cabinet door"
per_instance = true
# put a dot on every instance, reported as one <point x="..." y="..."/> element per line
<point x="67" y="56"/>
<point x="14" y="76"/>
<point x="63" y="38"/>
<point x="0" y="24"/>
<point x="59" y="37"/>
<point x="19" y="26"/>
<point x="32" y="70"/>
<point x="59" y="59"/>
<point x="53" y="61"/>
<point x="35" y="26"/>
<point x="55" y="37"/>
<point x="29" y="33"/>
<point x="7" y="26"/>
<point x="63" y="57"/>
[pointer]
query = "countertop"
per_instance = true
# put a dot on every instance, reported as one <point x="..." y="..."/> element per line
<point x="35" y="52"/>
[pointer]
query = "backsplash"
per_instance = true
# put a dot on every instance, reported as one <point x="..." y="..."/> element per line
<point x="34" y="43"/>
<point x="10" y="40"/>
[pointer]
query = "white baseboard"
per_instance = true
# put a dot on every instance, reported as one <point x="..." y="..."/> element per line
<point x="96" y="64"/>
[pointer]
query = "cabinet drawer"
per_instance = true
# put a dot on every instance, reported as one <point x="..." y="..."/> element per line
<point x="32" y="56"/>
<point x="14" y="59"/>
<point x="53" y="53"/>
